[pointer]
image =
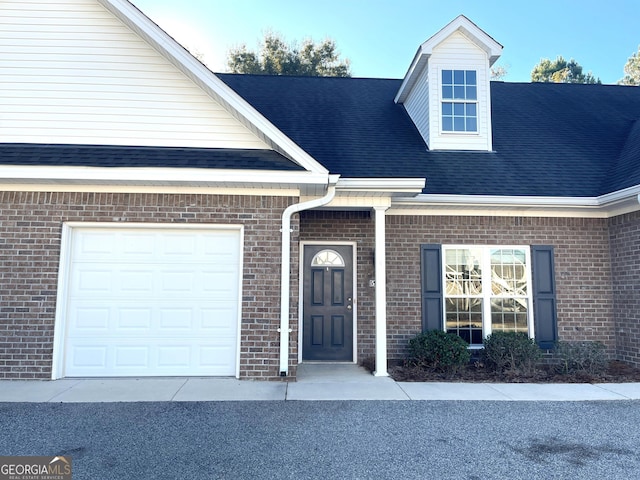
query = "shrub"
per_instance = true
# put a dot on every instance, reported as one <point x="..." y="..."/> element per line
<point x="582" y="357"/>
<point x="511" y="351"/>
<point x="439" y="351"/>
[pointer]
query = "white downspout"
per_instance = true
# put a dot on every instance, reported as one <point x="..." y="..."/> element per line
<point x="285" y="276"/>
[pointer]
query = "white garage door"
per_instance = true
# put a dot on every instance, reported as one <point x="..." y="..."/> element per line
<point x="152" y="302"/>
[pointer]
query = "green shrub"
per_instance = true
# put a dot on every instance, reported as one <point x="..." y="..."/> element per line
<point x="582" y="357"/>
<point x="511" y="351"/>
<point x="439" y="351"/>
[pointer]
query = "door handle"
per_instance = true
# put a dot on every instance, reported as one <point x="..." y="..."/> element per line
<point x="349" y="307"/>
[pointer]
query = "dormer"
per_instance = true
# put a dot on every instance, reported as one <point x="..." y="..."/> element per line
<point x="446" y="90"/>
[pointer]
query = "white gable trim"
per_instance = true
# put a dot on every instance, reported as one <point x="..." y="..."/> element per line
<point x="133" y="18"/>
<point x="461" y="23"/>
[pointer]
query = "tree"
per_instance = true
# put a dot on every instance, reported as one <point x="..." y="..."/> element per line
<point x="276" y="57"/>
<point x="632" y="70"/>
<point x="499" y="72"/>
<point x="561" y="71"/>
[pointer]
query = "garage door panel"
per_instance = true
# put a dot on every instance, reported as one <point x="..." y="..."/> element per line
<point x="131" y="319"/>
<point x="153" y="356"/>
<point x="219" y="320"/>
<point x="91" y="319"/>
<point x="175" y="247"/>
<point x="175" y="356"/>
<point x="216" y="357"/>
<point x="135" y="356"/>
<point x="164" y="318"/>
<point x="135" y="281"/>
<point x="89" y="356"/>
<point x="136" y="245"/>
<point x="94" y="280"/>
<point x="144" y="302"/>
<point x="154" y="281"/>
<point x="172" y="319"/>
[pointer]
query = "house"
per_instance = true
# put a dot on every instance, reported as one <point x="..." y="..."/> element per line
<point x="158" y="219"/>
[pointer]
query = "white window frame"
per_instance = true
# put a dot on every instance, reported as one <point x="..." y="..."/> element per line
<point x="486" y="286"/>
<point x="454" y="101"/>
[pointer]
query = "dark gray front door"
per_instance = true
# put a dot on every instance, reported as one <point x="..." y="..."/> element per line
<point x="327" y="329"/>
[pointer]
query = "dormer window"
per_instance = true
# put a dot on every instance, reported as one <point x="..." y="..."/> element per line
<point x="459" y="101"/>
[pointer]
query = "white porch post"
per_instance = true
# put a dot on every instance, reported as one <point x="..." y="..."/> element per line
<point x="381" y="293"/>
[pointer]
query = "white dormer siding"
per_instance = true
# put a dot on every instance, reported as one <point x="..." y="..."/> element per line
<point x="418" y="104"/>
<point x="459" y="47"/>
<point x="458" y="53"/>
<point x="70" y="72"/>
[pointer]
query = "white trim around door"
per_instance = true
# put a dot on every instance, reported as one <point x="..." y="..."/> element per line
<point x="354" y="247"/>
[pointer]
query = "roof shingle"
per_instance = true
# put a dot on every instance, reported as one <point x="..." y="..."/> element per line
<point x="548" y="139"/>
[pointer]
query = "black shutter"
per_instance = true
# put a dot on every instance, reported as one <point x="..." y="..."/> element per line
<point x="544" y="296"/>
<point x="432" y="298"/>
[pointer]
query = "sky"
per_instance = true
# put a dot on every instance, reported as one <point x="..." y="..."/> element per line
<point x="381" y="37"/>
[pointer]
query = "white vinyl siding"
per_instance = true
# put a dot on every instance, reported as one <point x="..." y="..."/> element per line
<point x="73" y="73"/>
<point x="459" y="53"/>
<point x="417" y="105"/>
<point x="424" y="102"/>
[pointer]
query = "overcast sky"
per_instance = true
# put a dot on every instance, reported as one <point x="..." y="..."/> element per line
<point x="380" y="37"/>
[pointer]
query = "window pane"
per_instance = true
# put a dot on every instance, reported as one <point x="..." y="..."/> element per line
<point x="509" y="314"/>
<point x="458" y="124"/>
<point x="447" y="91"/>
<point x="463" y="272"/>
<point x="458" y="92"/>
<point x="447" y="76"/>
<point x="472" y="125"/>
<point x="464" y="318"/>
<point x="447" y="108"/>
<point x="508" y="272"/>
<point x="471" y="93"/>
<point x="471" y="77"/>
<point x="447" y="124"/>
<point x="327" y="257"/>
<point x="470" y="109"/>
<point x="458" y="77"/>
<point x="458" y="109"/>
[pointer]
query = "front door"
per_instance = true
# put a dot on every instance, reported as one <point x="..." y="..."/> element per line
<point x="327" y="328"/>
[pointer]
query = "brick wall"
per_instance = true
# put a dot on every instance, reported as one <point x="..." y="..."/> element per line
<point x="581" y="254"/>
<point x="582" y="268"/>
<point x="625" y="265"/>
<point x="30" y="231"/>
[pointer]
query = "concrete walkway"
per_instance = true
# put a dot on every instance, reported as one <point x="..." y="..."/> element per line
<point x="315" y="382"/>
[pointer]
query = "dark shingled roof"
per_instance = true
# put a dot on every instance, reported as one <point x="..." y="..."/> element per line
<point x="125" y="156"/>
<point x="548" y="139"/>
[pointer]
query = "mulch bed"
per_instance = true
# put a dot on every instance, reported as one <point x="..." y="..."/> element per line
<point x="617" y="372"/>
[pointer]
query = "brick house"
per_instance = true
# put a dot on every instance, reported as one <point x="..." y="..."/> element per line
<point x="158" y="219"/>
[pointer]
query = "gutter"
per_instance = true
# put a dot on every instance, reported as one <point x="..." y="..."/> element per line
<point x="285" y="276"/>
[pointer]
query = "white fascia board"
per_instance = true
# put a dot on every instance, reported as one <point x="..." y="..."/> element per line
<point x="499" y="200"/>
<point x="209" y="82"/>
<point x="604" y="206"/>
<point x="393" y="186"/>
<point x="31" y="174"/>
<point x="418" y="65"/>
